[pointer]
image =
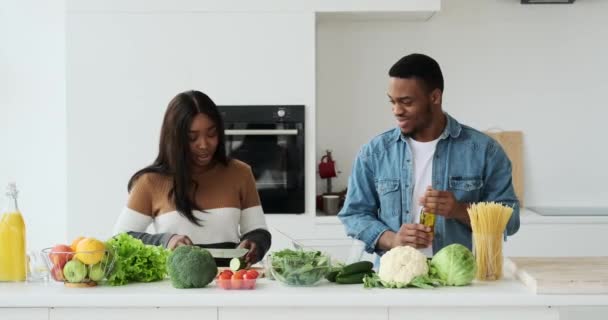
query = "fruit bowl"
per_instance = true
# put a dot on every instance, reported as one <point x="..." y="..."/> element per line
<point x="78" y="268"/>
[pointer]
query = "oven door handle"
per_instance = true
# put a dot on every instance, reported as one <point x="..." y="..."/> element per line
<point x="261" y="132"/>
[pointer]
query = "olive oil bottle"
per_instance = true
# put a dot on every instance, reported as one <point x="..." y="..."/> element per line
<point x="427" y="219"/>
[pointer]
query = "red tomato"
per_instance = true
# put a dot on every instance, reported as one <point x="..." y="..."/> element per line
<point x="237" y="280"/>
<point x="227" y="271"/>
<point x="225" y="276"/>
<point x="251" y="274"/>
<point x="242" y="272"/>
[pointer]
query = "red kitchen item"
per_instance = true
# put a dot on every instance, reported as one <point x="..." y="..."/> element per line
<point x="327" y="166"/>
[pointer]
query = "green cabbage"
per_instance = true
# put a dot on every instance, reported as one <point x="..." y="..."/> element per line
<point x="454" y="265"/>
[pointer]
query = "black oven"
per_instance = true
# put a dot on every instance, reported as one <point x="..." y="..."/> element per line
<point x="271" y="140"/>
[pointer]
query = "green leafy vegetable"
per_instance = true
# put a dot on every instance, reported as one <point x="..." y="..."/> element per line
<point x="299" y="268"/>
<point x="136" y="262"/>
<point x="455" y="265"/>
<point x="372" y="281"/>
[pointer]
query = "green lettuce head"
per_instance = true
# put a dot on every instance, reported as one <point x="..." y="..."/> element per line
<point x="455" y="265"/>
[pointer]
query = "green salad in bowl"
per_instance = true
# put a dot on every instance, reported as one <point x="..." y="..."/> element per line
<point x="299" y="267"/>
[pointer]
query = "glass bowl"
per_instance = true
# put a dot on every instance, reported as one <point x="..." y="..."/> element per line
<point x="295" y="271"/>
<point x="79" y="268"/>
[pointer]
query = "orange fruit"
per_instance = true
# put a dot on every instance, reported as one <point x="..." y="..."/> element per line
<point x="75" y="243"/>
<point x="90" y="251"/>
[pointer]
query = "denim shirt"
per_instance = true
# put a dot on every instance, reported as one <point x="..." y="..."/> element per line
<point x="466" y="162"/>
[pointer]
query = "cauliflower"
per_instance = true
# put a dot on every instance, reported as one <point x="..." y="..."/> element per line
<point x="402" y="264"/>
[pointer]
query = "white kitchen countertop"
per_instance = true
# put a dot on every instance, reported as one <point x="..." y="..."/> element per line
<point x="268" y="293"/>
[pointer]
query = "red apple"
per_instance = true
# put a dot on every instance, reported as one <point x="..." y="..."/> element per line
<point x="57" y="273"/>
<point x="60" y="255"/>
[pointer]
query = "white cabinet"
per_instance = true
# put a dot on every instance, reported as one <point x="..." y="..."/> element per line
<point x="554" y="240"/>
<point x="320" y="313"/>
<point x="132" y="313"/>
<point x="24" y="313"/>
<point x="531" y="313"/>
<point x="586" y="313"/>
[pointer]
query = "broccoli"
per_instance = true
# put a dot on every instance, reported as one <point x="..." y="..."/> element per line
<point x="191" y="267"/>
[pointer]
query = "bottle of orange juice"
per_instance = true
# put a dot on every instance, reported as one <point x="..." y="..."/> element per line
<point x="12" y="240"/>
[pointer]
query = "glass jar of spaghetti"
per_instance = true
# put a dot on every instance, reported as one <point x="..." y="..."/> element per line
<point x="488" y="222"/>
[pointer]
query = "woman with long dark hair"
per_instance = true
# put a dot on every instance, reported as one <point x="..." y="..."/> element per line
<point x="193" y="193"/>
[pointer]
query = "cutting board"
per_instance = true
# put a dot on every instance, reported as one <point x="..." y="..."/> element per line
<point x="563" y="275"/>
<point x="512" y="144"/>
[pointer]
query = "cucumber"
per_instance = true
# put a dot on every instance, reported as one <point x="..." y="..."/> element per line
<point x="353" y="278"/>
<point x="357" y="267"/>
<point x="331" y="277"/>
<point x="237" y="264"/>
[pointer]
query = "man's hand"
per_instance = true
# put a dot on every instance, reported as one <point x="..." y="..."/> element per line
<point x="444" y="204"/>
<point x="414" y="235"/>
<point x="251" y="256"/>
<point x="178" y="240"/>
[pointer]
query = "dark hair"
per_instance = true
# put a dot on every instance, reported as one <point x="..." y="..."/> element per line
<point x="173" y="157"/>
<point x="421" y="67"/>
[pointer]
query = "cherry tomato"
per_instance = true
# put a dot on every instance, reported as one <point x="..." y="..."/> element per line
<point x="225" y="276"/>
<point x="251" y="274"/>
<point x="237" y="280"/>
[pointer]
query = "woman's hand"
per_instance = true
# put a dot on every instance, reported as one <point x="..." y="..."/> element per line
<point x="178" y="240"/>
<point x="251" y="256"/>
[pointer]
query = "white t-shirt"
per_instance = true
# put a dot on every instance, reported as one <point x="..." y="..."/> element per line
<point x="422" y="154"/>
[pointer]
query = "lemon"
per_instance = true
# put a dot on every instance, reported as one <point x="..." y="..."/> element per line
<point x="90" y="251"/>
<point x="74" y="245"/>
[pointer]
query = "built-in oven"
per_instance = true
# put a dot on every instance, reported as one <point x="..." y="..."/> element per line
<point x="271" y="140"/>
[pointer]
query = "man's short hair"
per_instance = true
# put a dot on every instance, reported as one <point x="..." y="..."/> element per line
<point x="421" y="67"/>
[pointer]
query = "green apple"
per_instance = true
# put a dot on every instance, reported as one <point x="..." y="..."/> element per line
<point x="96" y="273"/>
<point x="74" y="271"/>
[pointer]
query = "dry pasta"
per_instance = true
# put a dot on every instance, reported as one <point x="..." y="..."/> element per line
<point x="488" y="222"/>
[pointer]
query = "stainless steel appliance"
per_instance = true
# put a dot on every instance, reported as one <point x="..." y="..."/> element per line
<point x="271" y="140"/>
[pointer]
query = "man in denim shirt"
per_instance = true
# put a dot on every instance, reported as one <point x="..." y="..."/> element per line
<point x="429" y="162"/>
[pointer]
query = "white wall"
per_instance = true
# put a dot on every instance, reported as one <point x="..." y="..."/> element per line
<point x="537" y="68"/>
<point x="123" y="68"/>
<point x="32" y="114"/>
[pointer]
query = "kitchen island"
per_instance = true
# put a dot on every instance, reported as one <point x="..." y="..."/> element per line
<point x="505" y="299"/>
